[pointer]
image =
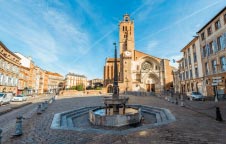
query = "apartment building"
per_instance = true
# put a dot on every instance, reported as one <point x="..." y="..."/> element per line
<point x="9" y="70"/>
<point x="212" y="38"/>
<point x="52" y="82"/>
<point x="190" y="68"/>
<point x="72" y="79"/>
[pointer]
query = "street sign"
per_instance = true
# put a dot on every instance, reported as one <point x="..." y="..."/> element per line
<point x="217" y="78"/>
<point x="214" y="84"/>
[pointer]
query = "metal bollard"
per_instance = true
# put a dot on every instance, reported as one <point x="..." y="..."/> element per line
<point x="218" y="114"/>
<point x="46" y="104"/>
<point x="0" y="136"/>
<point x="53" y="98"/>
<point x="176" y="102"/>
<point x="39" y="110"/>
<point x="18" y="131"/>
<point x="43" y="106"/>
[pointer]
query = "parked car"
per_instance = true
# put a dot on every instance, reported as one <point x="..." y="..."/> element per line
<point x="195" y="96"/>
<point x="19" y="98"/>
<point x="5" y="98"/>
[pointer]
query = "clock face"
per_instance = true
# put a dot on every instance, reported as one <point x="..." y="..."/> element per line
<point x="127" y="53"/>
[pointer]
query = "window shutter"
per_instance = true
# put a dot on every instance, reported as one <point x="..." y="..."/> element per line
<point x="207" y="49"/>
<point x="224" y="40"/>
<point x="215" y="46"/>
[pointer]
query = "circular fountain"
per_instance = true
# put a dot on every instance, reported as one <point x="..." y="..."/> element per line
<point x="114" y="116"/>
<point x="115" y="113"/>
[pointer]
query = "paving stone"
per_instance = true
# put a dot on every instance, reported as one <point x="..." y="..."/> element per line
<point x="190" y="126"/>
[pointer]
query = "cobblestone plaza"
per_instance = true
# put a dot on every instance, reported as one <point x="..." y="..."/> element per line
<point x="192" y="125"/>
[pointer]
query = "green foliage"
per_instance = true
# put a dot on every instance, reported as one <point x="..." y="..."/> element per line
<point x="79" y="87"/>
<point x="73" y="88"/>
<point x="98" y="88"/>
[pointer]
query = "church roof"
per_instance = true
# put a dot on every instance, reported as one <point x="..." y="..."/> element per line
<point x="112" y="59"/>
<point x="147" y="54"/>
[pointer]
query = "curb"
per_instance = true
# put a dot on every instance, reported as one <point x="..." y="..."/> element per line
<point x="14" y="107"/>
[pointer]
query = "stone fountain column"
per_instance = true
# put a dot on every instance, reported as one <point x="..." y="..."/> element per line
<point x="115" y="95"/>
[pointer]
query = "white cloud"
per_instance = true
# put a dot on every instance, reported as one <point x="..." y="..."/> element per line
<point x="151" y="45"/>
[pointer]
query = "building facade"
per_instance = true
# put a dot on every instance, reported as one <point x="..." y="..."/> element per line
<point x="53" y="82"/>
<point x="137" y="71"/>
<point x="190" y="68"/>
<point x="72" y="79"/>
<point x="9" y="70"/>
<point x="212" y="38"/>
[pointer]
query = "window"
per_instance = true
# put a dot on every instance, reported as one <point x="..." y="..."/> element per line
<point x="195" y="58"/>
<point x="196" y="72"/>
<point x="188" y="51"/>
<point x="189" y="60"/>
<point x="220" y="44"/>
<point x="190" y="74"/>
<point x="193" y="47"/>
<point x="223" y="63"/>
<point x="203" y="36"/>
<point x="217" y="25"/>
<point x="186" y="74"/>
<point x="225" y="18"/>
<point x="214" y="66"/>
<point x="209" y="31"/>
<point x="214" y="46"/>
<point x="204" y="51"/>
<point x="207" y="68"/>
<point x="211" y="47"/>
<point x="185" y="62"/>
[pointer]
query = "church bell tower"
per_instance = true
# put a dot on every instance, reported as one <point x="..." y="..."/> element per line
<point x="126" y="45"/>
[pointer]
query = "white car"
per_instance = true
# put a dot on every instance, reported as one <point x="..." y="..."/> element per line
<point x="5" y="98"/>
<point x="195" y="96"/>
<point x="19" y="98"/>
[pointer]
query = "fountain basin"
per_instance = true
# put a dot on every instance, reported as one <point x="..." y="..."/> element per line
<point x="99" y="117"/>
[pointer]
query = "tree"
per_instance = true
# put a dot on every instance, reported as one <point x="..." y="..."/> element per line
<point x="79" y="87"/>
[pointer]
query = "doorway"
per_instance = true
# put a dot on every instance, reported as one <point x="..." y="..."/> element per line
<point x="152" y="87"/>
<point x="148" y="87"/>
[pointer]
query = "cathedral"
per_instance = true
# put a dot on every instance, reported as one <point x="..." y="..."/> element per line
<point x="137" y="71"/>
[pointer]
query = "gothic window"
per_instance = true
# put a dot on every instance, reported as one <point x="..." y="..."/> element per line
<point x="146" y="66"/>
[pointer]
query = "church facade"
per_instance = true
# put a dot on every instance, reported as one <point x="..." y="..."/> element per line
<point x="137" y="71"/>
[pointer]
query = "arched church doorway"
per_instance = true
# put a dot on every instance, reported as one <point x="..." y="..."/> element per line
<point x="110" y="89"/>
<point x="150" y="87"/>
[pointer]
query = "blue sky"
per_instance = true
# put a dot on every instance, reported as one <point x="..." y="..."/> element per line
<point x="77" y="35"/>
